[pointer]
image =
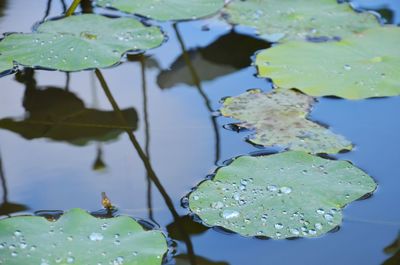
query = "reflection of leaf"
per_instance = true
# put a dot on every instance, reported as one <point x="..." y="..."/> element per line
<point x="79" y="238"/>
<point x="362" y="66"/>
<point x="290" y="194"/>
<point x="61" y="116"/>
<point x="7" y="208"/>
<point x="293" y="19"/>
<point x="280" y="118"/>
<point x="78" y="42"/>
<point x="185" y="260"/>
<point x="394" y="249"/>
<point x="166" y="9"/>
<point x="189" y="226"/>
<point x="229" y="53"/>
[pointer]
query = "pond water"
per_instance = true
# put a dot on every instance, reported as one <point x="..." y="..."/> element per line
<point x="185" y="141"/>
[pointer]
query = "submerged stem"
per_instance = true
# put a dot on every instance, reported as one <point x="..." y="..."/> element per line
<point x="151" y="173"/>
<point x="197" y="81"/>
<point x="72" y="8"/>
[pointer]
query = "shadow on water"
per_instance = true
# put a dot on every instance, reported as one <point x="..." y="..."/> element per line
<point x="149" y="169"/>
<point x="394" y="250"/>
<point x="57" y="114"/>
<point x="226" y="55"/>
<point x="6" y="207"/>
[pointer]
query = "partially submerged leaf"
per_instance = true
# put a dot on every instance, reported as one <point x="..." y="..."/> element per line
<point x="280" y="119"/>
<point x="77" y="43"/>
<point x="228" y="54"/>
<point x="361" y="66"/>
<point x="294" y="19"/>
<point x="79" y="238"/>
<point x="61" y="116"/>
<point x="290" y="194"/>
<point x="166" y="9"/>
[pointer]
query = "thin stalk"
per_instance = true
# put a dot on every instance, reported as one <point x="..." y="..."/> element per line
<point x="147" y="134"/>
<point x="48" y="8"/>
<point x="72" y="8"/>
<point x="64" y="6"/>
<point x="149" y="168"/>
<point x="3" y="182"/>
<point x="197" y="82"/>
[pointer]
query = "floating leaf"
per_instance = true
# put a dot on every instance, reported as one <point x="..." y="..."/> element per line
<point x="290" y="194"/>
<point x="78" y="42"/>
<point x="361" y="66"/>
<point x="228" y="54"/>
<point x="166" y="9"/>
<point x="280" y="119"/>
<point x="61" y="116"/>
<point x="293" y="19"/>
<point x="78" y="238"/>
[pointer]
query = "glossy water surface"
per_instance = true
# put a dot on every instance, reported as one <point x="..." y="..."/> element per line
<point x="175" y="107"/>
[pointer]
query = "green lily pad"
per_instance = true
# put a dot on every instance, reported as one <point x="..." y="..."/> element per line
<point x="164" y="10"/>
<point x="362" y="66"/>
<point x="280" y="119"/>
<point x="290" y="194"/>
<point x="292" y="19"/>
<point x="60" y="115"/>
<point x="79" y="238"/>
<point x="77" y="43"/>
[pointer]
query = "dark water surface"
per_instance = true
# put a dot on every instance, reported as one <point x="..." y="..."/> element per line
<point x="183" y="139"/>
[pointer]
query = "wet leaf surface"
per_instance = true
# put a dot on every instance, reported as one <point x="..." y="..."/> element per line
<point x="77" y="43"/>
<point x="166" y="9"/>
<point x="360" y="66"/>
<point x="291" y="194"/>
<point x="79" y="238"/>
<point x="291" y="19"/>
<point x="280" y="119"/>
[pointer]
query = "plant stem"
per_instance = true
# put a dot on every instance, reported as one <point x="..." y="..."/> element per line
<point x="197" y="81"/>
<point x="151" y="173"/>
<point x="72" y="8"/>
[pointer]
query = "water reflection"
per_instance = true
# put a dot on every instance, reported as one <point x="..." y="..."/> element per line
<point x="49" y="5"/>
<point x="394" y="250"/>
<point x="59" y="115"/>
<point x="184" y="260"/>
<point x="6" y="207"/>
<point x="228" y="54"/>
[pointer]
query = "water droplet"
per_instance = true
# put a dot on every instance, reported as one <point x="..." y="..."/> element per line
<point x="135" y="253"/>
<point x="328" y="217"/>
<point x="347" y="67"/>
<point x="264" y="217"/>
<point x="320" y="211"/>
<point x="96" y="236"/>
<point x="272" y="188"/>
<point x="14" y="254"/>
<point x="71" y="49"/>
<point x="278" y="226"/>
<point x="295" y="231"/>
<point x="70" y="260"/>
<point x="318" y="226"/>
<point x="229" y="214"/>
<point x="285" y="190"/>
<point x="217" y="205"/>
<point x="195" y="197"/>
<point x="17" y="233"/>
